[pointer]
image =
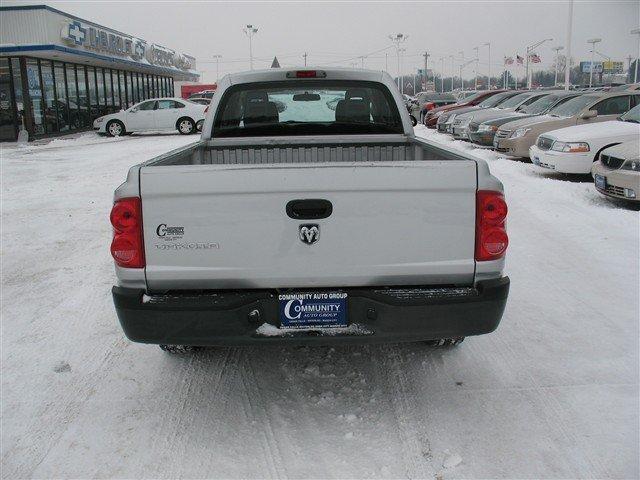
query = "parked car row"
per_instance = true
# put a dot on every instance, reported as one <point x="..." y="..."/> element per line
<point x="570" y="132"/>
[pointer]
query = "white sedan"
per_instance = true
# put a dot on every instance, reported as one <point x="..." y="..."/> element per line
<point x="574" y="149"/>
<point x="153" y="115"/>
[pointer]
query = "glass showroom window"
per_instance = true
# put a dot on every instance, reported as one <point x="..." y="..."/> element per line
<point x="35" y="92"/>
<point x="83" y="97"/>
<point x="108" y="90"/>
<point x="133" y="88"/>
<point x="7" y="112"/>
<point x="93" y="93"/>
<point x="49" y="95"/>
<point x="17" y="93"/>
<point x="102" y="103"/>
<point x="61" y="105"/>
<point x="72" y="100"/>
<point x="124" y="101"/>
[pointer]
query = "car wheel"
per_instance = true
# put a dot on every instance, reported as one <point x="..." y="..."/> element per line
<point x="186" y="126"/>
<point x="445" y="342"/>
<point x="177" y="349"/>
<point x="199" y="125"/>
<point x="115" y="128"/>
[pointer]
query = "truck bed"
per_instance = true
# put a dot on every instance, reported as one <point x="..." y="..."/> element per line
<point x="239" y="151"/>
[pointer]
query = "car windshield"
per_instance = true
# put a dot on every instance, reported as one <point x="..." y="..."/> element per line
<point x="513" y="102"/>
<point x="541" y="105"/>
<point x="470" y="98"/>
<point x="632" y="115"/>
<point x="494" y="100"/>
<point x="309" y="107"/>
<point x="573" y="106"/>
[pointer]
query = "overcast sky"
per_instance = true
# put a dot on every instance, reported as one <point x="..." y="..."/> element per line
<point x="336" y="33"/>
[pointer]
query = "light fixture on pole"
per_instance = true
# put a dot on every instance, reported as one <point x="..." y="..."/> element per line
<point x="530" y="49"/>
<point x="462" y="65"/>
<point x="397" y="39"/>
<point x="217" y="57"/>
<point x="488" y="44"/>
<point x="475" y="80"/>
<point x="567" y="62"/>
<point x="636" y="31"/>
<point x="557" y="50"/>
<point x="593" y="42"/>
<point x="400" y="52"/>
<point x="250" y="31"/>
<point x="452" y="75"/>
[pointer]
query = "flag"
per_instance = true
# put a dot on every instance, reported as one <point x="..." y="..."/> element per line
<point x="519" y="59"/>
<point x="508" y="60"/>
<point x="534" y="58"/>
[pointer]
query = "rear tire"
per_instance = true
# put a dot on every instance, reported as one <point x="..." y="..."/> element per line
<point x="445" y="342"/>
<point x="186" y="126"/>
<point x="199" y="125"/>
<point x="115" y="128"/>
<point x="177" y="349"/>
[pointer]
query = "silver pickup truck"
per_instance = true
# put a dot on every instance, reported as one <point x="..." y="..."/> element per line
<point x="308" y="213"/>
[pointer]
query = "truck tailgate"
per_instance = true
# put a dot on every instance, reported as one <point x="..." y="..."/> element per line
<point x="226" y="226"/>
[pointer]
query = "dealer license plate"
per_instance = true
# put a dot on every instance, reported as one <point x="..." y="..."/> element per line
<point x="601" y="182"/>
<point x="313" y="310"/>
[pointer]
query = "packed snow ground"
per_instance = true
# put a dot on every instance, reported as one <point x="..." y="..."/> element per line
<point x="552" y="393"/>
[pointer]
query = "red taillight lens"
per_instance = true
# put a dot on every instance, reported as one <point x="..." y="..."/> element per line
<point x="491" y="233"/>
<point x="127" y="247"/>
<point x="306" y="74"/>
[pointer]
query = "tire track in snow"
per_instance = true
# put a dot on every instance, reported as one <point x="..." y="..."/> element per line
<point x="415" y="448"/>
<point x="254" y="404"/>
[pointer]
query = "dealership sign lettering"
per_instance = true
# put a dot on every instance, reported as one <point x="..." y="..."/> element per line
<point x="78" y="34"/>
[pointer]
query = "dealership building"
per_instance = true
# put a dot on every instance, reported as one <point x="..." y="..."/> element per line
<point x="59" y="72"/>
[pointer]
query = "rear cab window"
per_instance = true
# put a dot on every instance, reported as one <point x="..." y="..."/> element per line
<point x="323" y="107"/>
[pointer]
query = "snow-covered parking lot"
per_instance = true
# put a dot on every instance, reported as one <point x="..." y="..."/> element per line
<point x="552" y="393"/>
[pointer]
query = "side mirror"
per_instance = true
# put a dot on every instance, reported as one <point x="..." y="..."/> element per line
<point x="589" y="114"/>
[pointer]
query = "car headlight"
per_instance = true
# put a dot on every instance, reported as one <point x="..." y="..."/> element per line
<point x="519" y="132"/>
<point x="99" y="119"/>
<point x="570" y="147"/>
<point x="633" y="165"/>
<point x="487" y="128"/>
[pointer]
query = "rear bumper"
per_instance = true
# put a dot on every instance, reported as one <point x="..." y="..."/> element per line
<point x="375" y="315"/>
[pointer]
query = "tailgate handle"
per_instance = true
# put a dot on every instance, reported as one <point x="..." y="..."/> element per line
<point x="309" y="209"/>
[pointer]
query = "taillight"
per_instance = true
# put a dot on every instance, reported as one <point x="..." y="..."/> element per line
<point x="127" y="247"/>
<point x="307" y="74"/>
<point x="491" y="232"/>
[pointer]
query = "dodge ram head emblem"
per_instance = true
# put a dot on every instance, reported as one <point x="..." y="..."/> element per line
<point x="309" y="233"/>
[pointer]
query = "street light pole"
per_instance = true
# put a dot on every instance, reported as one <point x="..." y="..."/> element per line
<point x="250" y="31"/>
<point x="452" y="74"/>
<point x="488" y="44"/>
<point x="530" y="49"/>
<point x="636" y="31"/>
<point x="400" y="52"/>
<point x="217" y="57"/>
<point x="567" y="63"/>
<point x="397" y="39"/>
<point x="441" y="75"/>
<point x="557" y="50"/>
<point x="593" y="42"/>
<point x="475" y="80"/>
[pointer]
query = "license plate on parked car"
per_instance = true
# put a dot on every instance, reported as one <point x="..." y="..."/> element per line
<point x="601" y="182"/>
<point x="313" y="310"/>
